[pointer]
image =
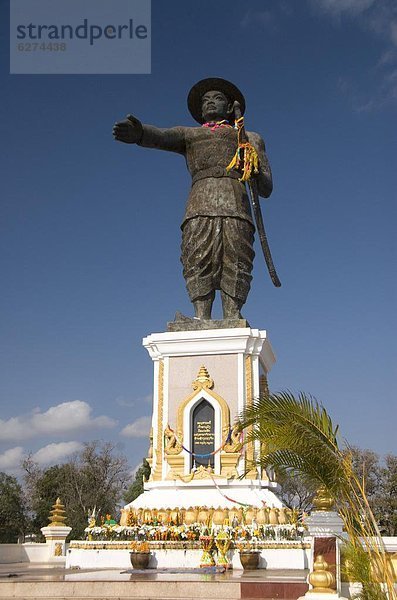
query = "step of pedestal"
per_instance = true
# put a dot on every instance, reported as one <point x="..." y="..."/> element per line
<point x="152" y="590"/>
<point x="120" y="589"/>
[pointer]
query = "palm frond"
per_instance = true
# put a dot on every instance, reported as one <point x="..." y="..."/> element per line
<point x="297" y="436"/>
<point x="358" y="566"/>
<point x="300" y="426"/>
<point x="273" y="411"/>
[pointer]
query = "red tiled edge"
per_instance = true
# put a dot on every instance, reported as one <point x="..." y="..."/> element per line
<point x="326" y="547"/>
<point x="273" y="589"/>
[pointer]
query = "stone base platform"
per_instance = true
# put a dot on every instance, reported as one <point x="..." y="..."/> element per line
<point x="203" y="493"/>
<point x="192" y="324"/>
<point x="150" y="584"/>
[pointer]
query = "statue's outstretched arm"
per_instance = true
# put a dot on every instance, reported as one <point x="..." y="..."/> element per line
<point x="132" y="131"/>
<point x="264" y="178"/>
<point x="171" y="139"/>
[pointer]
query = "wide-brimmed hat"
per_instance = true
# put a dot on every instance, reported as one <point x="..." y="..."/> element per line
<point x="194" y="99"/>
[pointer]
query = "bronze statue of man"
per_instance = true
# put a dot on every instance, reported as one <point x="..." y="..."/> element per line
<point x="217" y="229"/>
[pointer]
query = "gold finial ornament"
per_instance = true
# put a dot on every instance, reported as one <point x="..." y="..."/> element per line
<point x="323" y="500"/>
<point x="57" y="515"/>
<point x="322" y="580"/>
<point x="203" y="380"/>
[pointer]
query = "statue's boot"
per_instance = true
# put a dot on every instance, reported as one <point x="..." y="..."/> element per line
<point x="231" y="307"/>
<point x="203" y="307"/>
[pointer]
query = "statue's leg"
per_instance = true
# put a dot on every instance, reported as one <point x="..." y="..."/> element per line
<point x="237" y="262"/>
<point x="231" y="306"/>
<point x="198" y="247"/>
<point x="203" y="306"/>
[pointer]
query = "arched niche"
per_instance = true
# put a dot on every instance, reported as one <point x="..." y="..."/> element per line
<point x="202" y="434"/>
<point x="202" y="387"/>
<point x="187" y="420"/>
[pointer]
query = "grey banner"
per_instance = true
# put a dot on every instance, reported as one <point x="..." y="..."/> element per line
<point x="80" y="36"/>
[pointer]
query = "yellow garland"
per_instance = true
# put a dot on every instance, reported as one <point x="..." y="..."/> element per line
<point x="246" y="157"/>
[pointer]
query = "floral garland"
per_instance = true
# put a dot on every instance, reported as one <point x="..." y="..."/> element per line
<point x="191" y="533"/>
<point x="208" y="454"/>
<point x="213" y="125"/>
<point x="246" y="159"/>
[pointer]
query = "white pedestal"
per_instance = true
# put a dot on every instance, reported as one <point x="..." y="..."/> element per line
<point x="324" y="523"/>
<point x="55" y="540"/>
<point x="228" y="369"/>
<point x="205" y="493"/>
<point x="286" y="557"/>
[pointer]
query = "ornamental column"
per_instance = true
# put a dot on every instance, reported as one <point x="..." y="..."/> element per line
<point x="56" y="533"/>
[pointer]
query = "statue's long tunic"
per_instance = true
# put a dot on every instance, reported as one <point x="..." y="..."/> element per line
<point x="217" y="229"/>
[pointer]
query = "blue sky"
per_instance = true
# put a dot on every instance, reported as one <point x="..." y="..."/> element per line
<point x="90" y="228"/>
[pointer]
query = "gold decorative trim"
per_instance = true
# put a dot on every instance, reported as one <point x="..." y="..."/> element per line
<point x="180" y="545"/>
<point x="184" y="478"/>
<point x="150" y="452"/>
<point x="263" y="385"/>
<point x="229" y="464"/>
<point x="200" y="473"/>
<point x="158" y="472"/>
<point x="203" y="472"/>
<point x="263" y="391"/>
<point x="249" y="454"/>
<point x="176" y="464"/>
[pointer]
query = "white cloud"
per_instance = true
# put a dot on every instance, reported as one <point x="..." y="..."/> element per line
<point x="393" y="32"/>
<point x="264" y="18"/>
<point x="338" y="7"/>
<point x="380" y="18"/>
<point x="388" y="58"/>
<point x="125" y="402"/>
<point x="63" y="418"/>
<point x="11" y="459"/>
<point x="53" y="453"/>
<point x="130" y="403"/>
<point x="138" y="428"/>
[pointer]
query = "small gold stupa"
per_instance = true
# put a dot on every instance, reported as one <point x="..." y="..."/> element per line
<point x="57" y="515"/>
<point x="323" y="501"/>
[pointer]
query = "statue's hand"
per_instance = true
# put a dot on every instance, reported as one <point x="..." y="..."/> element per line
<point x="128" y="131"/>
